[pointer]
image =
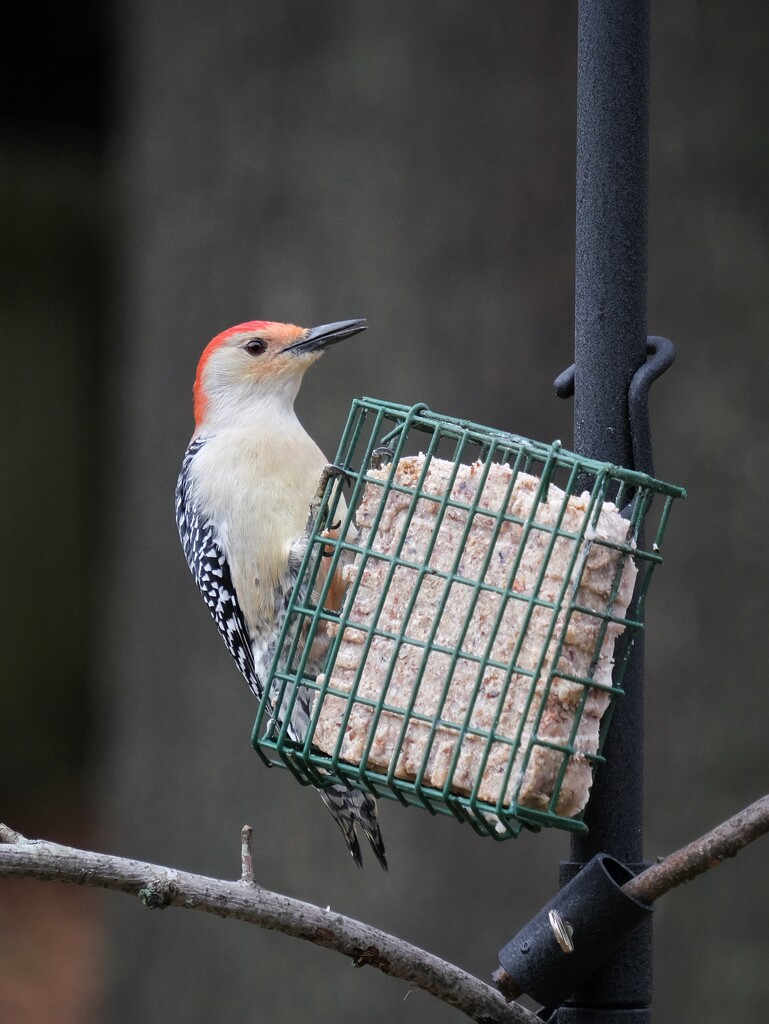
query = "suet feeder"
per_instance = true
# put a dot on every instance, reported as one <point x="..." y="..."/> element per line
<point x="492" y="586"/>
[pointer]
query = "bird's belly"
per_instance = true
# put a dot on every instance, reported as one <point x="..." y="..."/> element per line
<point x="259" y="505"/>
<point x="261" y="574"/>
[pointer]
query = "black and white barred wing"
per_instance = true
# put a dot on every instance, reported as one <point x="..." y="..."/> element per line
<point x="211" y="572"/>
<point x="253" y="656"/>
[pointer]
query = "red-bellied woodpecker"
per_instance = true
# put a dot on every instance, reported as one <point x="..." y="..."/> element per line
<point x="245" y="502"/>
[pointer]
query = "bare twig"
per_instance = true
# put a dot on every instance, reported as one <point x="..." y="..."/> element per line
<point x="246" y="856"/>
<point x="725" y="840"/>
<point x="7" y="835"/>
<point x="159" y="887"/>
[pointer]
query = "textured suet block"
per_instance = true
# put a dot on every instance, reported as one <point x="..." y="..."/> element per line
<point x="489" y="660"/>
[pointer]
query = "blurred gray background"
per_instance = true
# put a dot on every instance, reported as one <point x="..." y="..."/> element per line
<point x="169" y="169"/>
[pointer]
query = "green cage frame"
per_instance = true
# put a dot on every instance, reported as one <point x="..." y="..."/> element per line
<point x="378" y="434"/>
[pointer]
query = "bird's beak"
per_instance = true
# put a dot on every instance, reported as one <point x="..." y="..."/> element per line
<point x="328" y="334"/>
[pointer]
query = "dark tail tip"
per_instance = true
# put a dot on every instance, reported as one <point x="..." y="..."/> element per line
<point x="375" y="839"/>
<point x="354" y="847"/>
<point x="353" y="809"/>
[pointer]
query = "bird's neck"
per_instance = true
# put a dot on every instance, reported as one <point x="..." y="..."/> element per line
<point x="252" y="411"/>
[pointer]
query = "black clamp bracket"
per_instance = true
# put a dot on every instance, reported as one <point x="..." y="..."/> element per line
<point x="660" y="353"/>
<point x="581" y="927"/>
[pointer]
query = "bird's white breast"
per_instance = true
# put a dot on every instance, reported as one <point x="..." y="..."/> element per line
<point x="256" y="488"/>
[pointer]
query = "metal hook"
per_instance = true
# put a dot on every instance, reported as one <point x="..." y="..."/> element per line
<point x="660" y="353"/>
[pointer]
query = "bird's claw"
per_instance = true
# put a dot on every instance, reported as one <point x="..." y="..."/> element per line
<point x="381" y="457"/>
<point x="330" y="470"/>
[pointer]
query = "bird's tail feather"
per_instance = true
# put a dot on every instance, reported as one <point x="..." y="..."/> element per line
<point x="352" y="808"/>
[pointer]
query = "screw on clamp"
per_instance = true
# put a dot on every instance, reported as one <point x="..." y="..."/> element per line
<point x="580" y="928"/>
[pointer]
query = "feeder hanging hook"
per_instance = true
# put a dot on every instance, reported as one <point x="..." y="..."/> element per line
<point x="660" y="353"/>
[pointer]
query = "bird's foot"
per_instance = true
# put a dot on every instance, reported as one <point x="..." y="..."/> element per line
<point x="330" y="470"/>
<point x="299" y="547"/>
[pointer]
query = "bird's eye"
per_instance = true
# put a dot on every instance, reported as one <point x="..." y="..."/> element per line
<point x="255" y="347"/>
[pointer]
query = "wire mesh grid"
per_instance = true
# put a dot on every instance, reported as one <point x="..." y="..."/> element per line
<point x="451" y="638"/>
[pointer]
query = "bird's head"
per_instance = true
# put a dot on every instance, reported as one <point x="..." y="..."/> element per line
<point x="259" y="362"/>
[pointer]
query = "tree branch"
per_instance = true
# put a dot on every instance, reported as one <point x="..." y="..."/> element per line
<point x="159" y="887"/>
<point x="725" y="840"/>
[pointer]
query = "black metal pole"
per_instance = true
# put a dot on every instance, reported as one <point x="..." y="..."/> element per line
<point x="610" y="346"/>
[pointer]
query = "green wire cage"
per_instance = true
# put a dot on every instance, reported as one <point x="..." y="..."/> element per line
<point x="461" y="620"/>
